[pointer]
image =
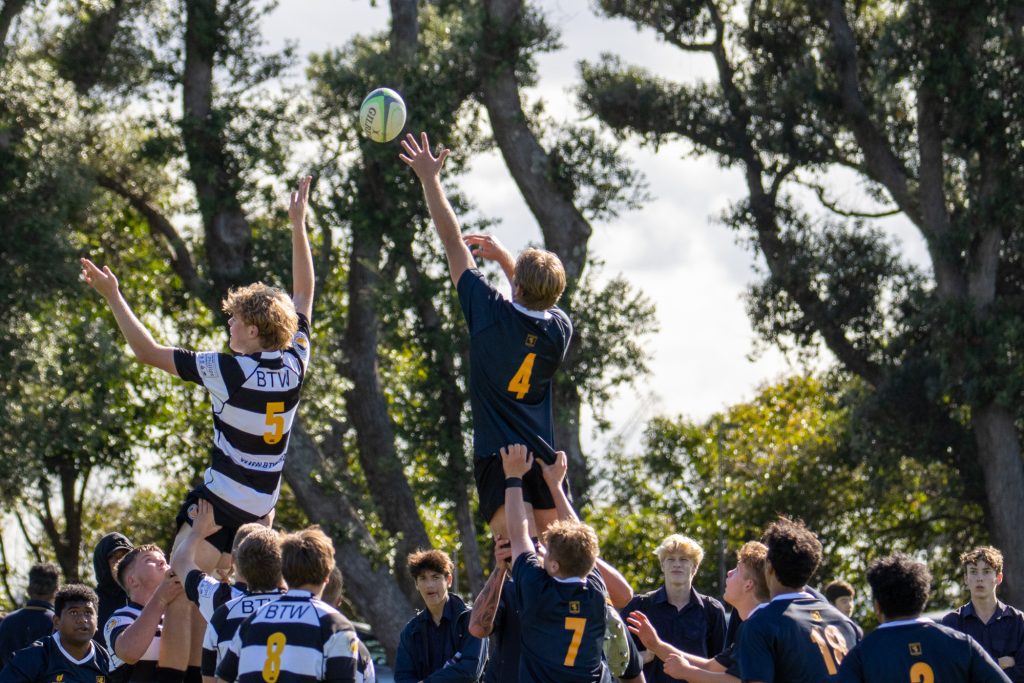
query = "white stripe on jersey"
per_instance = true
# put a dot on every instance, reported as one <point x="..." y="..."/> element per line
<point x="295" y="659"/>
<point x="125" y="617"/>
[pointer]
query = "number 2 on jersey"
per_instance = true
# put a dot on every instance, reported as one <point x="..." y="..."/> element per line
<point x="274" y="420"/>
<point x="922" y="673"/>
<point x="833" y="648"/>
<point x="520" y="384"/>
<point x="275" y="648"/>
<point x="577" y="625"/>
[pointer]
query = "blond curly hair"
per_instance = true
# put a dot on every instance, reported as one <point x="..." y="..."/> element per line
<point x="269" y="309"/>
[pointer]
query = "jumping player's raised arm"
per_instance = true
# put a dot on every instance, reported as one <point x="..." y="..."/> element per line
<point x="146" y="350"/>
<point x="428" y="169"/>
<point x="516" y="461"/>
<point x="302" y="257"/>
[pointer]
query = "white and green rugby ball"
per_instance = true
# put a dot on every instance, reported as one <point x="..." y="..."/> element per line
<point x="382" y="115"/>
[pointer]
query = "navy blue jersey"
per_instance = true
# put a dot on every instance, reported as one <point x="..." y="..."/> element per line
<point x="503" y="664"/>
<point x="514" y="354"/>
<point x="919" y="651"/>
<point x="562" y="624"/>
<point x="47" y="661"/>
<point x="23" y="627"/>
<point x="795" y="638"/>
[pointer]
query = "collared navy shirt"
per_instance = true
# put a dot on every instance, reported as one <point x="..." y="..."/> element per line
<point x="47" y="661"/>
<point x="440" y="653"/>
<point x="1002" y="636"/>
<point x="23" y="627"/>
<point x="697" y="628"/>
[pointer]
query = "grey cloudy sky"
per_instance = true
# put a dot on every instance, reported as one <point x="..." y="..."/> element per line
<point x="672" y="248"/>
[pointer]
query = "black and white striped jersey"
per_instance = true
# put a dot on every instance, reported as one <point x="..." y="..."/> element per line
<point x="208" y="593"/>
<point x="142" y="671"/>
<point x="295" y="639"/>
<point x="224" y="624"/>
<point x="255" y="398"/>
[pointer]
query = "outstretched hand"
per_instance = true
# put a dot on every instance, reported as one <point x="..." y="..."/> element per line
<point x="677" y="667"/>
<point x="299" y="202"/>
<point x="103" y="281"/>
<point x="640" y="626"/>
<point x="554" y="474"/>
<point x="205" y="524"/>
<point x="419" y="158"/>
<point x="487" y="247"/>
<point x="516" y="460"/>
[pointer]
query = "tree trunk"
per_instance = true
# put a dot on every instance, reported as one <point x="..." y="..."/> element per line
<point x="566" y="232"/>
<point x="1000" y="458"/>
<point x="367" y="406"/>
<point x="211" y="169"/>
<point x="370" y="586"/>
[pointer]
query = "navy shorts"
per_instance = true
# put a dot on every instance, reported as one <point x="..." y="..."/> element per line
<point x="222" y="539"/>
<point x="490" y="486"/>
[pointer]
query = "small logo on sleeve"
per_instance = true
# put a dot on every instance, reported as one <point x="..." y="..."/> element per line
<point x="208" y="365"/>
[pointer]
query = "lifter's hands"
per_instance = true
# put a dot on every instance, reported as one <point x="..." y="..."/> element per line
<point x="419" y="158"/>
<point x="205" y="525"/>
<point x="103" y="281"/>
<point x="554" y="474"/>
<point x="299" y="201"/>
<point x="516" y="460"/>
<point x="170" y="589"/>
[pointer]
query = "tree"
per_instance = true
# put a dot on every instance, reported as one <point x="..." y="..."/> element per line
<point x="723" y="480"/>
<point x="921" y="102"/>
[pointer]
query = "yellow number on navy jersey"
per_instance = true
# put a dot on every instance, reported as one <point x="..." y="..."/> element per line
<point x="921" y="673"/>
<point x="520" y="384"/>
<point x="577" y="625"/>
<point x="833" y="647"/>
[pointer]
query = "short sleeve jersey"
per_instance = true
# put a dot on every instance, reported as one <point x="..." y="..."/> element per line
<point x="254" y="398"/>
<point x="142" y="671"/>
<point x="919" y="650"/>
<point x="223" y="625"/>
<point x="296" y="639"/>
<point x="208" y="593"/>
<point x="514" y="354"/>
<point x="796" y="638"/>
<point x="562" y="624"/>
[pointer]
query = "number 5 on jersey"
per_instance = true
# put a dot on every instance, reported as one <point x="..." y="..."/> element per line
<point x="275" y="420"/>
<point x="520" y="384"/>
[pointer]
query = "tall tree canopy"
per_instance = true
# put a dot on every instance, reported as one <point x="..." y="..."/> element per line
<point x="922" y="102"/>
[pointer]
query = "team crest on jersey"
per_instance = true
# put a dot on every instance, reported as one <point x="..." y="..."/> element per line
<point x="915" y="649"/>
<point x="60" y="678"/>
<point x="101" y="679"/>
<point x="531" y="340"/>
<point x="574" y="607"/>
<point x="301" y="341"/>
<point x="113" y="623"/>
<point x="816" y="615"/>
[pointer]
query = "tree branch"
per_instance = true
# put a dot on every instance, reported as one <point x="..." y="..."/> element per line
<point x="833" y="207"/>
<point x="159" y="226"/>
<point x="880" y="159"/>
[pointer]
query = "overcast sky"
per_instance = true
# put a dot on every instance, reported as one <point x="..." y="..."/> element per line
<point x="673" y="249"/>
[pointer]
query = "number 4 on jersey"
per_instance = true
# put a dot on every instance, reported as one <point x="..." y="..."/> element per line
<point x="520" y="384"/>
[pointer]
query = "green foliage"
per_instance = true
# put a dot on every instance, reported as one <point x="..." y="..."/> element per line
<point x="791" y="451"/>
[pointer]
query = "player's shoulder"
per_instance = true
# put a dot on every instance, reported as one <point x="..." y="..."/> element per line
<point x="330" y="618"/>
<point x="709" y="602"/>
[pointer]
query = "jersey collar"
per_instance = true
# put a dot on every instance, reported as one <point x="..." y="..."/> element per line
<point x="570" y="579"/>
<point x="79" y="662"/>
<point x="539" y="315"/>
<point x="792" y="596"/>
<point x="906" y="622"/>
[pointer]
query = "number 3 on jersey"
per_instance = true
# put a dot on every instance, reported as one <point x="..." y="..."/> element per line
<point x="520" y="384"/>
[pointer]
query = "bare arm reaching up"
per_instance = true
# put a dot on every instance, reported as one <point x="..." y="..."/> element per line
<point x="146" y="350"/>
<point x="428" y="169"/>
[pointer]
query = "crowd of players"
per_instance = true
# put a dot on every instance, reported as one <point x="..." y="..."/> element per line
<point x="240" y="601"/>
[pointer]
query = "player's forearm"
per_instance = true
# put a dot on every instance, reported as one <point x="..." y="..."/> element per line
<point x="481" y="619"/>
<point x="303" y="280"/>
<point x="619" y="590"/>
<point x="508" y="266"/>
<point x="447" y="226"/>
<point x="515" y="517"/>
<point x="562" y="505"/>
<point x="134" y="640"/>
<point x="183" y="558"/>
<point x="143" y="345"/>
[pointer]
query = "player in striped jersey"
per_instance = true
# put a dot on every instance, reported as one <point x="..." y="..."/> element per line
<point x="258" y="559"/>
<point x="298" y="638"/>
<point x="254" y="392"/>
<point x="133" y="632"/>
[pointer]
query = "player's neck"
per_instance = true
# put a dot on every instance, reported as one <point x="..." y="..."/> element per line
<point x="746" y="606"/>
<point x="984" y="606"/>
<point x="79" y="652"/>
<point x="678" y="594"/>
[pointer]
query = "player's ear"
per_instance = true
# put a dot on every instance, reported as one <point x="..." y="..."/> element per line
<point x="448" y="580"/>
<point x="999" y="578"/>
